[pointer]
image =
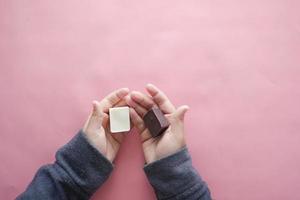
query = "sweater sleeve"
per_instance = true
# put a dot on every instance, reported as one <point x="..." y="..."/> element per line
<point x="174" y="177"/>
<point x="79" y="170"/>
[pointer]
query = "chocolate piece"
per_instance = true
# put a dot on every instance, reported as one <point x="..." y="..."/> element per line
<point x="156" y="122"/>
<point x="119" y="119"/>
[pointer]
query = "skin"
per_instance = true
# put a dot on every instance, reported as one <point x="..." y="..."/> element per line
<point x="172" y="140"/>
<point x="96" y="127"/>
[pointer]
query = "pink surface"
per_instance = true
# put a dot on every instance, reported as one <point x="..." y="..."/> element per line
<point x="235" y="63"/>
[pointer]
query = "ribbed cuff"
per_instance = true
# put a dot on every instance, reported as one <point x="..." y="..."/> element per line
<point x="172" y="175"/>
<point x="85" y="165"/>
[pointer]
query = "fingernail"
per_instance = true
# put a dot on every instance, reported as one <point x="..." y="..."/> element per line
<point x="150" y="84"/>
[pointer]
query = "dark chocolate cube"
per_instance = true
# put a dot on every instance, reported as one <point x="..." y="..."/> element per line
<point x="156" y="122"/>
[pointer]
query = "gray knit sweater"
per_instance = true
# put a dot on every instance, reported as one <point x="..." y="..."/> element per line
<point x="80" y="169"/>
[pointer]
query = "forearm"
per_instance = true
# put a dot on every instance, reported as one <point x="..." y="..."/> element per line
<point x="79" y="170"/>
<point x="174" y="177"/>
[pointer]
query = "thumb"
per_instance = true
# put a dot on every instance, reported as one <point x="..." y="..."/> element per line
<point x="96" y="118"/>
<point x="180" y="112"/>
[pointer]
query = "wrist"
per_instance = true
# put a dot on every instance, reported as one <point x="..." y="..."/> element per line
<point x="94" y="140"/>
<point x="162" y="152"/>
<point x="173" y="175"/>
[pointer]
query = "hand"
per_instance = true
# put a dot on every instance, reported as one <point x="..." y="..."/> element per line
<point x="96" y="127"/>
<point x="172" y="140"/>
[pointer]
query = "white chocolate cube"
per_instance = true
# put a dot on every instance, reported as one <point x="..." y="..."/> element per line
<point x="119" y="119"/>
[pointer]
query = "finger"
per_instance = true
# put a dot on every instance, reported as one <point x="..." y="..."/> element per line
<point x="112" y="99"/>
<point x="137" y="120"/>
<point x="142" y="99"/>
<point x="139" y="124"/>
<point x="180" y="112"/>
<point x="138" y="108"/>
<point x="121" y="103"/>
<point x="117" y="137"/>
<point x="160" y="99"/>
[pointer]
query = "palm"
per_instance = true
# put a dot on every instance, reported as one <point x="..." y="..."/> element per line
<point x="166" y="144"/>
<point x="112" y="142"/>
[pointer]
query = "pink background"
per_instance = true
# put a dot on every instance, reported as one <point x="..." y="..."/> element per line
<point x="235" y="63"/>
